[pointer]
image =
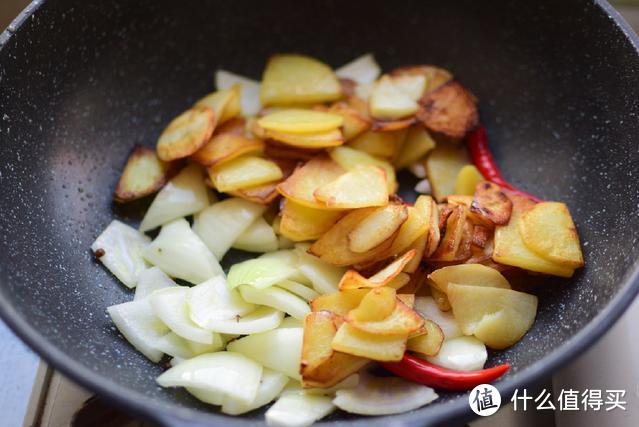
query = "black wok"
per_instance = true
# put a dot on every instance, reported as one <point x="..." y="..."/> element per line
<point x="81" y="82"/>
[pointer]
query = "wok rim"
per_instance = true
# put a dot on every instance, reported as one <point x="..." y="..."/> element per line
<point x="171" y="414"/>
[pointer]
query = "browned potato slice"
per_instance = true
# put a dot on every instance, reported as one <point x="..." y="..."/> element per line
<point x="399" y="282"/>
<point x="301" y="185"/>
<point x="376" y="305"/>
<point x="449" y="110"/>
<point x="354" y="280"/>
<point x="385" y="145"/>
<point x="468" y="274"/>
<point x="385" y="348"/>
<point x="143" y="174"/>
<point x="350" y="159"/>
<point x="244" y="172"/>
<point x="339" y="303"/>
<point x="417" y="144"/>
<point x="224" y="147"/>
<point x="481" y="235"/>
<point x="498" y="317"/>
<point x="407" y="299"/>
<point x="225" y="104"/>
<point x="294" y="79"/>
<point x="377" y="228"/>
<point x="331" y="138"/>
<point x="262" y="194"/>
<point x="435" y="76"/>
<point x="419" y="246"/>
<point x="467" y="180"/>
<point x="338" y="367"/>
<point x="300" y="223"/>
<point x="458" y="199"/>
<point x="548" y="230"/>
<point x="319" y="329"/>
<point x="429" y="341"/>
<point x="416" y="225"/>
<point x="186" y="133"/>
<point x="362" y="187"/>
<point x="388" y="126"/>
<point x="402" y="320"/>
<point x="277" y="150"/>
<point x="300" y="121"/>
<point x="492" y="203"/>
<point x="440" y="298"/>
<point x="396" y="97"/>
<point x="433" y="231"/>
<point x="333" y="246"/>
<point x="442" y="166"/>
<point x="449" y="244"/>
<point x="355" y="123"/>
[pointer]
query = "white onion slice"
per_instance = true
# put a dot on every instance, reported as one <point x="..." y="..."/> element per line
<point x="151" y="280"/>
<point x="324" y="276"/>
<point x="295" y="409"/>
<point x="174" y="345"/>
<point x="298" y="289"/>
<point x="170" y="305"/>
<point x="461" y="354"/>
<point x="270" y="387"/>
<point x="213" y="300"/>
<point x="261" y="320"/>
<point x="250" y="90"/>
<point x="363" y="69"/>
<point x="427" y="307"/>
<point x="276" y="298"/>
<point x="290" y="258"/>
<point x="260" y="272"/>
<point x="258" y="237"/>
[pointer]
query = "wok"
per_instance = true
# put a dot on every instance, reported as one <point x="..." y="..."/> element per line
<point x="82" y="82"/>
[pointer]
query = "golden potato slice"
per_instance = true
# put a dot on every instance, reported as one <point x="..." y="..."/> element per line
<point x="143" y="174"/>
<point x="417" y="144"/>
<point x="263" y="194"/>
<point x="224" y="147"/>
<point x="498" y="317"/>
<point x="362" y="187"/>
<point x="435" y="76"/>
<point x="392" y="125"/>
<point x="402" y="320"/>
<point x="336" y="368"/>
<point x="300" y="223"/>
<point x="293" y="79"/>
<point x="481" y="235"/>
<point x="399" y="281"/>
<point x="407" y="299"/>
<point x="299" y="121"/>
<point x="429" y="340"/>
<point x="380" y="144"/>
<point x="376" y="305"/>
<point x="354" y="280"/>
<point x="333" y="246"/>
<point x="450" y="110"/>
<point x="355" y="123"/>
<point x="350" y="159"/>
<point x="510" y="249"/>
<point x="459" y="199"/>
<point x="319" y="329"/>
<point x="332" y="138"/>
<point x="416" y="225"/>
<point x="467" y="180"/>
<point x="419" y="246"/>
<point x="396" y="97"/>
<point x="377" y="228"/>
<point x="279" y="151"/>
<point x="339" y="303"/>
<point x="225" y="104"/>
<point x="301" y="185"/>
<point x="468" y="274"/>
<point x="186" y="133"/>
<point x="384" y="348"/>
<point x="492" y="203"/>
<point x="449" y="244"/>
<point x="433" y="231"/>
<point x="244" y="172"/>
<point x="441" y="299"/>
<point x="442" y="166"/>
<point x="548" y="230"/>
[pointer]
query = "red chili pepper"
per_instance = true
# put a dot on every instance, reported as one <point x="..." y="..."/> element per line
<point x="420" y="371"/>
<point x="481" y="156"/>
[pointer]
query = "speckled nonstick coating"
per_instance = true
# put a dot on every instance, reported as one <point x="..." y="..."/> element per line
<point x="82" y="82"/>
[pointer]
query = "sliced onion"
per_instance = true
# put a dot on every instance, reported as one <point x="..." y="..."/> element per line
<point x="258" y="237"/>
<point x="170" y="305"/>
<point x="260" y="272"/>
<point x="175" y="346"/>
<point x="232" y="374"/>
<point x="213" y="300"/>
<point x="151" y="280"/>
<point x="270" y="387"/>
<point x="250" y="90"/>
<point x="461" y="354"/>
<point x="140" y="326"/>
<point x="427" y="307"/>
<point x="261" y="320"/>
<point x="383" y="396"/>
<point x="324" y="276"/>
<point x="184" y="195"/>
<point x="276" y="298"/>
<point x="180" y="253"/>
<point x="290" y="258"/>
<point x="123" y="247"/>
<point x="298" y="289"/>
<point x="296" y="409"/>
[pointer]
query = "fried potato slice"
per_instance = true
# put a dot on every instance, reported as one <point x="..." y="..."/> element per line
<point x="350" y="159"/>
<point x="354" y="280"/>
<point x="336" y="368"/>
<point x="225" y="103"/>
<point x="339" y="303"/>
<point x="492" y="203"/>
<point x="419" y="246"/>
<point x="459" y="199"/>
<point x="440" y="298"/>
<point x="468" y="274"/>
<point x="355" y="123"/>
<point x="449" y="244"/>
<point x="428" y="341"/>
<point x="510" y="248"/>
<point x="301" y="185"/>
<point x="263" y="194"/>
<point x="481" y="235"/>
<point x="433" y="231"/>
<point x="319" y="329"/>
<point x="416" y="225"/>
<point x="548" y="230"/>
<point x="143" y="174"/>
<point x="395" y="97"/>
<point x="226" y="146"/>
<point x="362" y="187"/>
<point x="186" y="133"/>
<point x="391" y="125"/>
<point x="449" y="110"/>
<point x="244" y="172"/>
<point x="280" y="151"/>
<point x="467" y="180"/>
<point x="293" y="79"/>
<point x="442" y="166"/>
<point x="300" y="223"/>
<point x="331" y="138"/>
<point x="435" y="76"/>
<point x="377" y="228"/>
<point x="299" y="121"/>
<point x="402" y="320"/>
<point x="498" y="317"/>
<point x="385" y="348"/>
<point x="380" y="144"/>
<point x="376" y="305"/>
<point x="417" y="144"/>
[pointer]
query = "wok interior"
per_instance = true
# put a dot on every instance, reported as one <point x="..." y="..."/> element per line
<point x="81" y="84"/>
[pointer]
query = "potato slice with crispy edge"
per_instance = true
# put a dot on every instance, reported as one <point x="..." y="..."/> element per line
<point x="442" y="166"/>
<point x="350" y="159"/>
<point x="447" y="249"/>
<point x="224" y="103"/>
<point x="360" y="188"/>
<point x="450" y="110"/>
<point x="376" y="305"/>
<point x="337" y="368"/>
<point x="377" y="227"/>
<point x="548" y="230"/>
<point x="385" y="145"/>
<point x="300" y="121"/>
<point x="399" y="281"/>
<point x="340" y="302"/>
<point x="467" y="180"/>
<point x="331" y="138"/>
<point x="319" y="329"/>
<point x="244" y="172"/>
<point x="143" y="174"/>
<point x="186" y="133"/>
<point x="396" y="97"/>
<point x="440" y="298"/>
<point x="301" y="185"/>
<point x="416" y="225"/>
<point x="300" y="223"/>
<point x="417" y="144"/>
<point x="481" y="235"/>
<point x="355" y="123"/>
<point x="353" y="280"/>
<point x="263" y="194"/>
<point x="435" y="76"/>
<point x="224" y="147"/>
<point x="490" y="202"/>
<point x="293" y="79"/>
<point x="433" y="231"/>
<point x="392" y="125"/>
<point x="468" y="274"/>
<point x="384" y="348"/>
<point x="459" y="199"/>
<point x="428" y="341"/>
<point x="402" y="320"/>
<point x="419" y="246"/>
<point x="407" y="299"/>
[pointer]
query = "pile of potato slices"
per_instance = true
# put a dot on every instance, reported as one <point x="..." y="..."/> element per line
<point x="301" y="167"/>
